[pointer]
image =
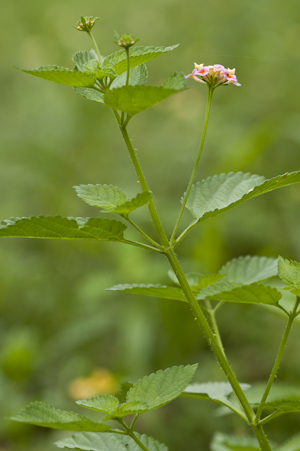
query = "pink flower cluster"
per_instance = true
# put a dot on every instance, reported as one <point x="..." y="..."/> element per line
<point x="214" y="75"/>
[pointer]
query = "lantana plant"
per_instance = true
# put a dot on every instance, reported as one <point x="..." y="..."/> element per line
<point x="118" y="82"/>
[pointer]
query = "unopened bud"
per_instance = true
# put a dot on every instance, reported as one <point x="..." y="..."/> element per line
<point x="86" y="23"/>
<point x="125" y="40"/>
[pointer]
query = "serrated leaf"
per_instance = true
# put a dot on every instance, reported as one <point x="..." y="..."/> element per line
<point x="293" y="444"/>
<point x="284" y="405"/>
<point x="289" y="273"/>
<point x="101" y="403"/>
<point x="138" y="76"/>
<point x="127" y="408"/>
<point x="81" y="58"/>
<point x="63" y="76"/>
<point x="111" y="198"/>
<point x="96" y="229"/>
<point x="108" y="442"/>
<point x="91" y="94"/>
<point x="135" y="99"/>
<point x="224" y="442"/>
<point x="156" y="291"/>
<point x="233" y="292"/>
<point x="220" y="193"/>
<point x="250" y="269"/>
<point x="161" y="387"/>
<point x="138" y="55"/>
<point x="42" y="414"/>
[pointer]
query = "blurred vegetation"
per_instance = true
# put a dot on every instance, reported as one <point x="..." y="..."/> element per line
<point x="61" y="333"/>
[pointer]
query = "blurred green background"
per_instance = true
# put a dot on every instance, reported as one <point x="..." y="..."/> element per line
<point x="61" y="333"/>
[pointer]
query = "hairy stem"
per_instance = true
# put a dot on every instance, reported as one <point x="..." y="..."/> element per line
<point x="195" y="307"/>
<point x="282" y="346"/>
<point x="186" y="195"/>
<point x="214" y="324"/>
<point x="96" y="46"/>
<point x="131" y="434"/>
<point x="147" y="237"/>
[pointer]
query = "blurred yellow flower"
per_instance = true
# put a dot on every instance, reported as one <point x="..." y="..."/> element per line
<point x="101" y="381"/>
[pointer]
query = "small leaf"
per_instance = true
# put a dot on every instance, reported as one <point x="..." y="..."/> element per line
<point x="156" y="291"/>
<point x="224" y="442"/>
<point x="161" y="387"/>
<point x="248" y="269"/>
<point x="220" y="193"/>
<point x="81" y="58"/>
<point x="91" y="94"/>
<point x="232" y="292"/>
<point x="213" y="391"/>
<point x="96" y="229"/>
<point x="138" y="76"/>
<point x="127" y="408"/>
<point x="135" y="99"/>
<point x="62" y="75"/>
<point x="101" y="403"/>
<point x="108" y="442"/>
<point x="284" y="405"/>
<point x="111" y="198"/>
<point x="289" y="273"/>
<point x="138" y="55"/>
<point x="42" y="414"/>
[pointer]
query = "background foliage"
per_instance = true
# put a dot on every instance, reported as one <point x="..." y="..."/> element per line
<point x="57" y="322"/>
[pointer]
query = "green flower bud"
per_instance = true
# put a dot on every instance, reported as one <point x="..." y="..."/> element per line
<point x="125" y="40"/>
<point x="86" y="23"/>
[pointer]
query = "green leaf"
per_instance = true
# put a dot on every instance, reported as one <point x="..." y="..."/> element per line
<point x="42" y="414"/>
<point x="289" y="273"/>
<point x="213" y="391"/>
<point x="62" y="75"/>
<point x="96" y="229"/>
<point x="293" y="444"/>
<point x="156" y="291"/>
<point x="135" y="99"/>
<point x="101" y="403"/>
<point x="284" y="405"/>
<point x="161" y="387"/>
<point x="138" y="76"/>
<point x="138" y="55"/>
<point x="248" y="269"/>
<point x="108" y="442"/>
<point x="279" y="392"/>
<point x="80" y="59"/>
<point x="224" y="442"/>
<point x="91" y="94"/>
<point x="220" y="193"/>
<point x="232" y="292"/>
<point x="111" y="198"/>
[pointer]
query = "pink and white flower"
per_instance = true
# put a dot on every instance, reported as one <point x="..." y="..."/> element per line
<point x="213" y="76"/>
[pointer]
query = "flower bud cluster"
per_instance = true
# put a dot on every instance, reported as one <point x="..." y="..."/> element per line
<point x="86" y="23"/>
<point x="213" y="76"/>
<point x="125" y="40"/>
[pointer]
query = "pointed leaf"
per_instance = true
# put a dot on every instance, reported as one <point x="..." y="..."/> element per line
<point x="138" y="76"/>
<point x="135" y="99"/>
<point x="213" y="391"/>
<point x="224" y="442"/>
<point x="128" y="408"/>
<point x="103" y="196"/>
<point x="156" y="291"/>
<point x="289" y="272"/>
<point x="62" y="75"/>
<point x="42" y="414"/>
<point x="96" y="229"/>
<point x="108" y="442"/>
<point x="161" y="387"/>
<point x="249" y="269"/>
<point x="220" y="193"/>
<point x="101" y="403"/>
<point x="91" y="94"/>
<point x="140" y="200"/>
<point x="231" y="292"/>
<point x="138" y="55"/>
<point x="81" y="58"/>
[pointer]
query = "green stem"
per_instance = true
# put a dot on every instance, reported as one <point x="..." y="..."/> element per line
<point x="128" y="66"/>
<point x="186" y="195"/>
<point x="214" y="324"/>
<point x="196" y="309"/>
<point x="277" y="360"/>
<point x="148" y="238"/>
<point x="144" y="246"/>
<point x="131" y="434"/>
<point x="96" y="46"/>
